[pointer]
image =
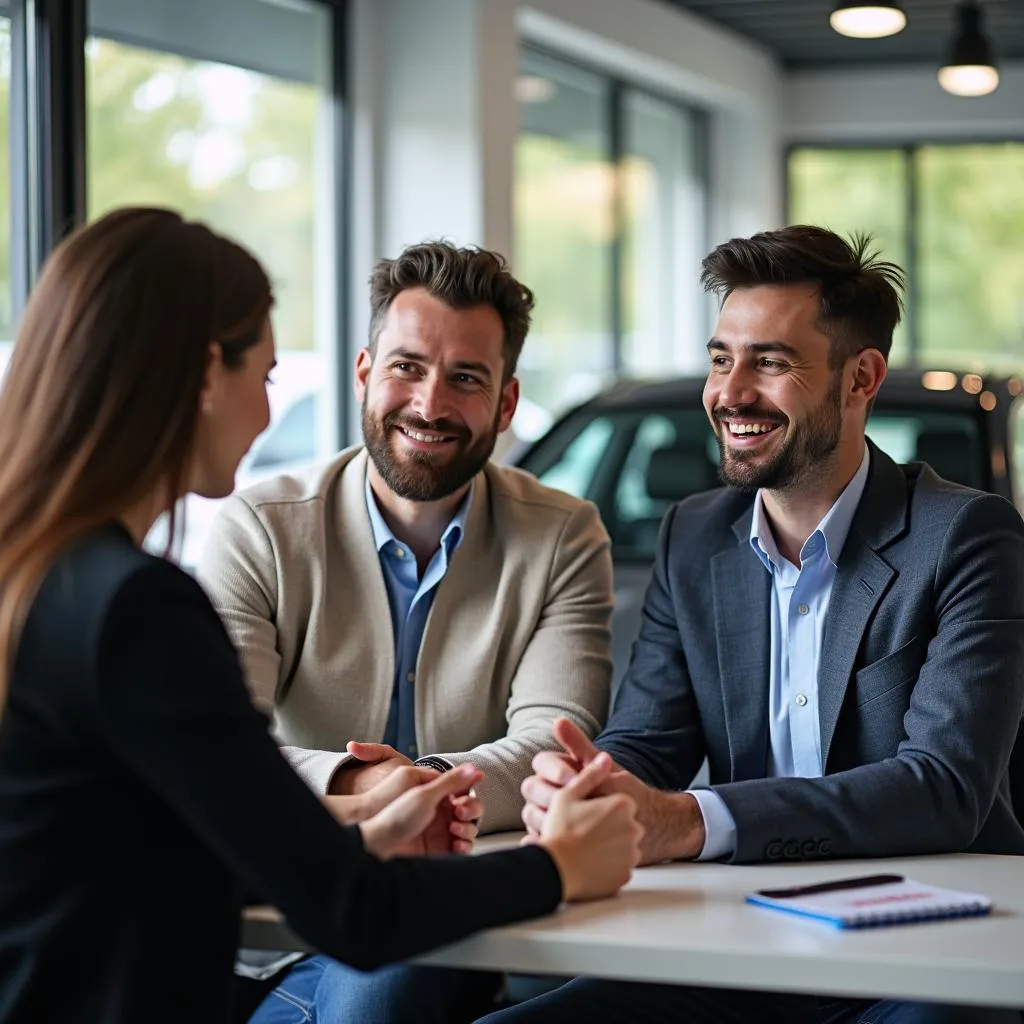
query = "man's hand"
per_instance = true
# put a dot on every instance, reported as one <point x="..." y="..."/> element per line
<point x="373" y="763"/>
<point x="673" y="824"/>
<point x="411" y="823"/>
<point x="384" y="777"/>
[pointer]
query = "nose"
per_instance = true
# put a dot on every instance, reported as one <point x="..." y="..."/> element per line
<point x="734" y="389"/>
<point x="430" y="398"/>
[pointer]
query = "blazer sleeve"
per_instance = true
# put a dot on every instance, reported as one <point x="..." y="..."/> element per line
<point x="238" y="570"/>
<point x="654" y="728"/>
<point x="172" y="705"/>
<point x="965" y="708"/>
<point x="565" y="669"/>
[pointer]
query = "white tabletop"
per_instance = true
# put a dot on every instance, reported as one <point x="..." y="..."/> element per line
<point x="689" y="924"/>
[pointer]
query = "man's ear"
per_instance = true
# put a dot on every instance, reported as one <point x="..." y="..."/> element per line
<point x="869" y="370"/>
<point x="508" y="400"/>
<point x="364" y="363"/>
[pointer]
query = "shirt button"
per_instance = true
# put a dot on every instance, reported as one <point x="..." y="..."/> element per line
<point x="400" y="552"/>
<point x="410" y="677"/>
<point x="412" y="749"/>
<point x="802" y="609"/>
<point x="801" y="699"/>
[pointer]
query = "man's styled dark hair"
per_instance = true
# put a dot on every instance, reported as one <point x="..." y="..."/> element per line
<point x="860" y="293"/>
<point x="459" y="277"/>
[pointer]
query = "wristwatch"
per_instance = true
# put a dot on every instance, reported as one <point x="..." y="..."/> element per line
<point x="439" y="764"/>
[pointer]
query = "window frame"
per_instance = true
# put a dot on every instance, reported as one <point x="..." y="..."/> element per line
<point x="48" y="150"/>
<point x="614" y="129"/>
<point x="909" y="150"/>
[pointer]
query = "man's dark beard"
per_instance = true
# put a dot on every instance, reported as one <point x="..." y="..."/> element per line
<point x="798" y="458"/>
<point x="418" y="476"/>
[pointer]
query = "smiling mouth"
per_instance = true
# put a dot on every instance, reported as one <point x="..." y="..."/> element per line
<point x="425" y="437"/>
<point x="751" y="429"/>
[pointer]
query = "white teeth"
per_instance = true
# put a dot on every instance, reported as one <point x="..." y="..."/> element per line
<point x="428" y="438"/>
<point x="739" y="429"/>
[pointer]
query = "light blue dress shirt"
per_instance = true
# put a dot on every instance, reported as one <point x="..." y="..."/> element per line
<point x="800" y="598"/>
<point x="410" y="598"/>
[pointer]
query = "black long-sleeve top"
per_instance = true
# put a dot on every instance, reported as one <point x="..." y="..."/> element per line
<point x="141" y="794"/>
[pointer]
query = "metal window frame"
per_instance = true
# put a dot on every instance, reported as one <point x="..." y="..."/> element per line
<point x="47" y="133"/>
<point x="912" y="197"/>
<point x="614" y="116"/>
<point x="48" y="156"/>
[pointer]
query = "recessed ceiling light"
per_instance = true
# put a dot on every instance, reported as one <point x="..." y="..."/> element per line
<point x="868" y="20"/>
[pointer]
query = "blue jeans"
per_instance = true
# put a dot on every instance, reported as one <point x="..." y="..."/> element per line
<point x="323" y="991"/>
<point x="617" y="1002"/>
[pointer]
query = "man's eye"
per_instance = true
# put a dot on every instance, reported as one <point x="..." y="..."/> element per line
<point x="465" y="378"/>
<point x="772" y="364"/>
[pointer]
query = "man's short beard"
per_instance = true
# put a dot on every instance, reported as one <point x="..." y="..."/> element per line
<point x="811" y="446"/>
<point x="414" y="475"/>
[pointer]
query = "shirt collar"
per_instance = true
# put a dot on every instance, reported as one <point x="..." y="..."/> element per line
<point x="833" y="528"/>
<point x="450" y="539"/>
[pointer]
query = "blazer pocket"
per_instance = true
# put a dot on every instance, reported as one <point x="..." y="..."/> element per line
<point x="889" y="673"/>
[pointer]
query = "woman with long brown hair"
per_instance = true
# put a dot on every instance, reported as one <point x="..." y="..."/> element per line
<point x="140" y="791"/>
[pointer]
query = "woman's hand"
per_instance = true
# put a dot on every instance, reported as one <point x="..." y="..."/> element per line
<point x="594" y="840"/>
<point x="427" y="818"/>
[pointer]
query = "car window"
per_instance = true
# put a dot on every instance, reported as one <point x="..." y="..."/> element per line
<point x="951" y="443"/>
<point x="291" y="439"/>
<point x="671" y="456"/>
<point x="574" y="470"/>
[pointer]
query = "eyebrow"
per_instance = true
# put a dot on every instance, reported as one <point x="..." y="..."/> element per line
<point x="482" y="369"/>
<point x="756" y="347"/>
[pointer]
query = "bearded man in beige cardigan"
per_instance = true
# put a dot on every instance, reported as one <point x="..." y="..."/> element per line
<point x="411" y="601"/>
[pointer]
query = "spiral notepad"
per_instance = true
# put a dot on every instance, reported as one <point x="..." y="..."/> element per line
<point x="872" y="901"/>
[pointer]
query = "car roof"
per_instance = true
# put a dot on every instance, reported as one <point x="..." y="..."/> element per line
<point x="945" y="389"/>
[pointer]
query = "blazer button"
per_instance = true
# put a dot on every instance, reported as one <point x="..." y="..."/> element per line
<point x="792" y="850"/>
<point x="773" y="851"/>
<point x="824" y="847"/>
<point x="809" y="850"/>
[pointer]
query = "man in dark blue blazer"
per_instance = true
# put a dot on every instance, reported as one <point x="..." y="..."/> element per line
<point x="841" y="637"/>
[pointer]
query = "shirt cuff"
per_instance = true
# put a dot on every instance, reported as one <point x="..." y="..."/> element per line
<point x="719" y="825"/>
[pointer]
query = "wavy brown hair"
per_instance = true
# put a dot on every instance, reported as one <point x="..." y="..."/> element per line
<point x="101" y="398"/>
<point x="461" y="278"/>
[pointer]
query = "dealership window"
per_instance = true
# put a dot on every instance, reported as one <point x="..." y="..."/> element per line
<point x="610" y="195"/>
<point x="953" y="217"/>
<point x="240" y="138"/>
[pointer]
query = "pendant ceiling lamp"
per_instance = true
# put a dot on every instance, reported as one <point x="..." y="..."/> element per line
<point x="969" y="68"/>
<point x="868" y="20"/>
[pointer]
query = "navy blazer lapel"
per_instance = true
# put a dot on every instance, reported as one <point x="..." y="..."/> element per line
<point x="862" y="577"/>
<point x="741" y="590"/>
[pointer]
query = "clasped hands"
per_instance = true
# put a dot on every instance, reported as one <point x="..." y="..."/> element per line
<point x="673" y="826"/>
<point x="404" y="809"/>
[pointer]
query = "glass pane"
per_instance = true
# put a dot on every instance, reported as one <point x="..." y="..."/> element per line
<point x="855" y="190"/>
<point x="6" y="327"/>
<point x="663" y="192"/>
<point x="240" y="150"/>
<point x="575" y="469"/>
<point x="563" y="229"/>
<point x="951" y="443"/>
<point x="670" y="459"/>
<point x="971" y="261"/>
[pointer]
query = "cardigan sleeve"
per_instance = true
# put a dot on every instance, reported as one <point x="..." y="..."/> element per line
<point x="174" y="709"/>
